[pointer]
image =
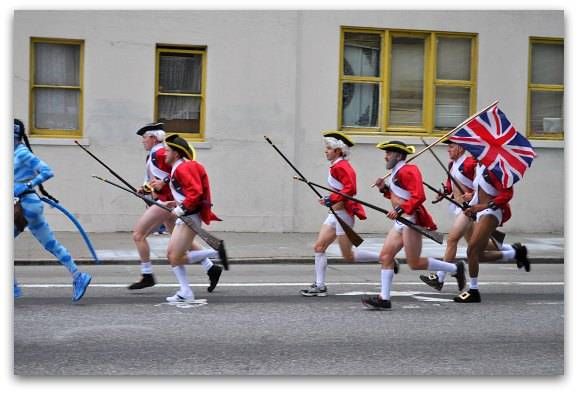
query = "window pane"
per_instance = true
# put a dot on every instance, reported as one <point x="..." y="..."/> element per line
<point x="452" y="106"/>
<point x="548" y="64"/>
<point x="360" y="104"/>
<point x="406" y="95"/>
<point x="56" y="109"/>
<point x="361" y="54"/>
<point x="453" y="58"/>
<point x="547" y="114"/>
<point x="180" y="74"/>
<point x="57" y="64"/>
<point x="180" y="114"/>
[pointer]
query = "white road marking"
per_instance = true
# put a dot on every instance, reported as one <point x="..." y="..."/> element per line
<point x="190" y="304"/>
<point x="295" y="284"/>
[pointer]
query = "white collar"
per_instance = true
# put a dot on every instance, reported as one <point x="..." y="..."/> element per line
<point x="336" y="161"/>
<point x="397" y="167"/>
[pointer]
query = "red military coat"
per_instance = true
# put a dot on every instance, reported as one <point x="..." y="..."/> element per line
<point x="156" y="167"/>
<point x="190" y="187"/>
<point x="406" y="182"/>
<point x="342" y="178"/>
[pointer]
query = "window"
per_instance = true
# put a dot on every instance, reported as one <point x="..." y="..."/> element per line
<point x="546" y="89"/>
<point x="405" y="82"/>
<point x="56" y="87"/>
<point x="180" y="90"/>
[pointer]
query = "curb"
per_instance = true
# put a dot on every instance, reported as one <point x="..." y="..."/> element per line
<point x="251" y="261"/>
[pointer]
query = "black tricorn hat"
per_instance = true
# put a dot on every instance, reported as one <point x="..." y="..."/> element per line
<point x="176" y="142"/>
<point x="397" y="146"/>
<point x="151" y="127"/>
<point x="340" y="136"/>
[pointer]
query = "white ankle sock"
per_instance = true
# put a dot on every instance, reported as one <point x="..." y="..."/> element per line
<point x="365" y="256"/>
<point x="508" y="252"/>
<point x="181" y="274"/>
<point x="436" y="264"/>
<point x="146" y="267"/>
<point x="196" y="256"/>
<point x="207" y="264"/>
<point x="320" y="268"/>
<point x="473" y="283"/>
<point x="386" y="280"/>
<point x="441" y="276"/>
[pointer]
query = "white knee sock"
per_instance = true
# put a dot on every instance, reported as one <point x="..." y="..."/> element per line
<point x="206" y="264"/>
<point x="365" y="256"/>
<point x="508" y="252"/>
<point x="196" y="256"/>
<point x="181" y="274"/>
<point x="436" y="264"/>
<point x="146" y="267"/>
<point x="441" y="276"/>
<point x="386" y="280"/>
<point x="320" y="268"/>
<point x="473" y="283"/>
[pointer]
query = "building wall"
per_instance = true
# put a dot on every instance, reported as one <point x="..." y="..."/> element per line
<point x="269" y="73"/>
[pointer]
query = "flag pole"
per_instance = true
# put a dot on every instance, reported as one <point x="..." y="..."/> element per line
<point x="444" y="136"/>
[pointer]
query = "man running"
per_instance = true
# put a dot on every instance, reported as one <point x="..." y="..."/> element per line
<point x="405" y="190"/>
<point x="190" y="187"/>
<point x="342" y="177"/>
<point x="462" y="168"/>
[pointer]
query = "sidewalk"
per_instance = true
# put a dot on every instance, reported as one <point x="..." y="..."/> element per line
<point x="118" y="248"/>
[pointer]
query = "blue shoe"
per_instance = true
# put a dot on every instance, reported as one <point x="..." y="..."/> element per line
<point x="79" y="285"/>
<point x="17" y="290"/>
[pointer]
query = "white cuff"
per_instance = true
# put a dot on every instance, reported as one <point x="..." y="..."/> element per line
<point x="178" y="211"/>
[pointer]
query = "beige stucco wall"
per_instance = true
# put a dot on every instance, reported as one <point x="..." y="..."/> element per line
<point x="269" y="73"/>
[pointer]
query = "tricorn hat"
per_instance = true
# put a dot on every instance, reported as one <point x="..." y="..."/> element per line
<point x="150" y="127"/>
<point x="339" y="136"/>
<point x="176" y="142"/>
<point x="396" y="146"/>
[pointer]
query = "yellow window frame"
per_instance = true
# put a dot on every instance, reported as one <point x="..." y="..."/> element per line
<point x="540" y="87"/>
<point x="55" y="133"/>
<point x="168" y="49"/>
<point x="430" y="80"/>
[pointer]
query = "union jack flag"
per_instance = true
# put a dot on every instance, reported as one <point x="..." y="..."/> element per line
<point x="493" y="141"/>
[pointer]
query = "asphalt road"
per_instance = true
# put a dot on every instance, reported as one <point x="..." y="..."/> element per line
<point x="256" y="323"/>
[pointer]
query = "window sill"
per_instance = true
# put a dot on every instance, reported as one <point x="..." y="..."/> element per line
<point x="58" y="141"/>
<point x="201" y="145"/>
<point x="416" y="141"/>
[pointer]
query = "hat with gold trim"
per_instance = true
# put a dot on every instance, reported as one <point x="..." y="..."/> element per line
<point x="340" y="136"/>
<point x="178" y="143"/>
<point x="396" y="146"/>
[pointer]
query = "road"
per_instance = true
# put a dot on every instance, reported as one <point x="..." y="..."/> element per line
<point x="256" y="323"/>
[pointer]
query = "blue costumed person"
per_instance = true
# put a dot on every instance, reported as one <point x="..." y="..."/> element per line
<point x="30" y="172"/>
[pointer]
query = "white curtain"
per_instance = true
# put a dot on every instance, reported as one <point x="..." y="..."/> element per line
<point x="57" y="65"/>
<point x="406" y="94"/>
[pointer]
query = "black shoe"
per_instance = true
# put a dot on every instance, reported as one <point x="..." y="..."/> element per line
<point x="460" y="275"/>
<point x="214" y="273"/>
<point x="375" y="302"/>
<point x="469" y="296"/>
<point x="395" y="266"/>
<point x="522" y="260"/>
<point x="432" y="280"/>
<point x="147" y="280"/>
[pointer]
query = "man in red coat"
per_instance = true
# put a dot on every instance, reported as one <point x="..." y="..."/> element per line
<point x="462" y="167"/>
<point x="157" y="173"/>
<point x="342" y="178"/>
<point x="191" y="191"/>
<point x="491" y="209"/>
<point x="405" y="190"/>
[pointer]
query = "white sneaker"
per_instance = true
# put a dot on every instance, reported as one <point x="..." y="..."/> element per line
<point x="178" y="298"/>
